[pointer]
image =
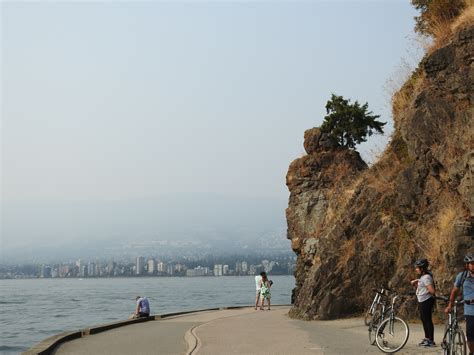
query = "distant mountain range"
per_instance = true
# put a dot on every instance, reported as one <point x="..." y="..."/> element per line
<point x="177" y="224"/>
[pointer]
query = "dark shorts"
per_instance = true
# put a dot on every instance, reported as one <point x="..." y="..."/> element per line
<point x="470" y="328"/>
<point x="143" y="315"/>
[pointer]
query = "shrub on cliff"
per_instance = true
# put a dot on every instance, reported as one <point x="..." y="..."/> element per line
<point x="436" y="15"/>
<point x="349" y="124"/>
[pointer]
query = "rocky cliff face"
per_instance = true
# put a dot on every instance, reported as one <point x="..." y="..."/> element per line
<point x="354" y="228"/>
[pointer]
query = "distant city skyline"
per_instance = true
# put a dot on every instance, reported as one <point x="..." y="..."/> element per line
<point x="109" y="107"/>
<point x="190" y="266"/>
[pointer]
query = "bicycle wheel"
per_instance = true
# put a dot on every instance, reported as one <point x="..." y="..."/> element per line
<point x="446" y="343"/>
<point x="458" y="347"/>
<point x="373" y="325"/>
<point x="369" y="315"/>
<point x="392" y="335"/>
<point x="367" y="318"/>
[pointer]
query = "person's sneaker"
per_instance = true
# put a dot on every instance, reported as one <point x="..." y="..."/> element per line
<point x="423" y="342"/>
<point x="429" y="343"/>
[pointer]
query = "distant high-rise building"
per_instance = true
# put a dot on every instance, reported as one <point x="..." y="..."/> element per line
<point x="64" y="271"/>
<point x="91" y="269"/>
<point x="83" y="271"/>
<point x="245" y="267"/>
<point x="151" y="266"/>
<point x="161" y="267"/>
<point x="140" y="265"/>
<point x="225" y="270"/>
<point x="45" y="271"/>
<point x="179" y="267"/>
<point x="110" y="268"/>
<point x="238" y="267"/>
<point x="218" y="270"/>
<point x="98" y="269"/>
<point x="170" y="269"/>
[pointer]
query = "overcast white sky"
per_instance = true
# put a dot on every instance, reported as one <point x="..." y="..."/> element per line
<point x="117" y="101"/>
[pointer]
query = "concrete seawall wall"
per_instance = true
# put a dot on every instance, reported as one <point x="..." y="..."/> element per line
<point x="48" y="345"/>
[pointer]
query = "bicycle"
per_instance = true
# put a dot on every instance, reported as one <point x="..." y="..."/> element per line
<point x="379" y="305"/>
<point x="454" y="340"/>
<point x="376" y="303"/>
<point x="389" y="331"/>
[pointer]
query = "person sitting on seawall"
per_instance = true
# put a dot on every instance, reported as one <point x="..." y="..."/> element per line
<point x="143" y="308"/>
<point x="465" y="279"/>
<point x="425" y="292"/>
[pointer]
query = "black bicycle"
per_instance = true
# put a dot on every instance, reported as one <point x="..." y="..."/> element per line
<point x="388" y="331"/>
<point x="454" y="341"/>
<point x="377" y="303"/>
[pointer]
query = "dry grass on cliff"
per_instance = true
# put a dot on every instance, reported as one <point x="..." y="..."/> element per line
<point x="381" y="175"/>
<point x="439" y="234"/>
<point x="444" y="29"/>
<point x="467" y="17"/>
<point x="402" y="99"/>
<point x="347" y="251"/>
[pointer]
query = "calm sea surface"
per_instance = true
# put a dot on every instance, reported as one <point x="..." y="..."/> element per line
<point x="34" y="309"/>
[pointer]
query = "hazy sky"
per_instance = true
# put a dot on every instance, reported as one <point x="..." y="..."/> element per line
<point x="118" y="101"/>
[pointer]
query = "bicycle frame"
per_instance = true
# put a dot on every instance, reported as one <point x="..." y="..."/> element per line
<point x="391" y="311"/>
<point x="452" y="327"/>
<point x="376" y="301"/>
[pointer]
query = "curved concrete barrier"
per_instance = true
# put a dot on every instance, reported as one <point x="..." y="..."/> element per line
<point x="48" y="345"/>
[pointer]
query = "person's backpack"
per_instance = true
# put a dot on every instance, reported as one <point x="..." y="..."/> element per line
<point x="463" y="279"/>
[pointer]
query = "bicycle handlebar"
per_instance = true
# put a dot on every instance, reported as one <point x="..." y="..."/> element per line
<point x="456" y="302"/>
<point x="382" y="290"/>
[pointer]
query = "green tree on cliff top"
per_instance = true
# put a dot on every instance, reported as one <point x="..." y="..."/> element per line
<point x="349" y="124"/>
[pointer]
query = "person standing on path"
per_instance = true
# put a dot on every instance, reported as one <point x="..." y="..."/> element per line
<point x="465" y="280"/>
<point x="258" y="278"/>
<point x="265" y="291"/>
<point x="143" y="308"/>
<point x="425" y="293"/>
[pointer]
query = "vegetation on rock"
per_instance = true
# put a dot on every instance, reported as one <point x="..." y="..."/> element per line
<point x="349" y="124"/>
<point x="436" y="14"/>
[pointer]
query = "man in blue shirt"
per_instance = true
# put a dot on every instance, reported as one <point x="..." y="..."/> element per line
<point x="143" y="307"/>
<point x="465" y="280"/>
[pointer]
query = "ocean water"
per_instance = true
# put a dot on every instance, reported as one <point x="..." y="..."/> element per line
<point x="34" y="309"/>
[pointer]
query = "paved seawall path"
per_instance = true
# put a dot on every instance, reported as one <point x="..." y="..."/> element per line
<point x="240" y="331"/>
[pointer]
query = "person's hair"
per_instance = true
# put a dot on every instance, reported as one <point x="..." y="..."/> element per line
<point x="264" y="277"/>
<point x="262" y="273"/>
<point x="136" y="299"/>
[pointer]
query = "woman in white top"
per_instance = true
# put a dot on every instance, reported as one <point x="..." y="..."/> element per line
<point x="425" y="292"/>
